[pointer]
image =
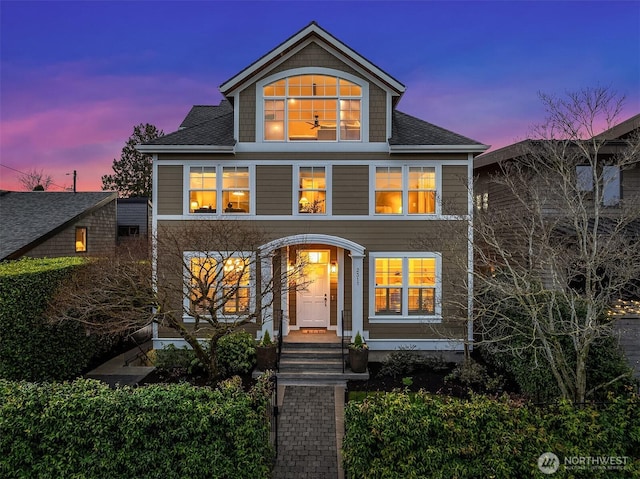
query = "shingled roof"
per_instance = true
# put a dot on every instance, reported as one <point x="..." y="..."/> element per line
<point x="213" y="125"/>
<point x="30" y="218"/>
<point x="409" y="130"/>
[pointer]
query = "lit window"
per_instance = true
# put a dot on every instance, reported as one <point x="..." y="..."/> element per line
<point x="235" y="285"/>
<point x="202" y="189"/>
<point x="219" y="285"/>
<point x="389" y="190"/>
<point x="312" y="108"/>
<point x="405" y="286"/>
<point x="312" y="193"/>
<point x="203" y="277"/>
<point x="422" y="190"/>
<point x="396" y="186"/>
<point x="81" y="240"/>
<point x="235" y="189"/>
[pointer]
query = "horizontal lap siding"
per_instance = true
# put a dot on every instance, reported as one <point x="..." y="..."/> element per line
<point x="445" y="237"/>
<point x="455" y="192"/>
<point x="170" y="184"/>
<point x="274" y="190"/>
<point x="350" y="190"/>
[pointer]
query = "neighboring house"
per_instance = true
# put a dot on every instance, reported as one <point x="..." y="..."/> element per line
<point x="134" y="218"/>
<point x="619" y="194"/>
<point x="42" y="224"/>
<point x="308" y="143"/>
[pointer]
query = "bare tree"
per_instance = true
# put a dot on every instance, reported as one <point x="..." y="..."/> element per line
<point x="35" y="180"/>
<point x="210" y="272"/>
<point x="564" y="247"/>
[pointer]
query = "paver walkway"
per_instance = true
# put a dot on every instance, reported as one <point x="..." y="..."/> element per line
<point x="307" y="442"/>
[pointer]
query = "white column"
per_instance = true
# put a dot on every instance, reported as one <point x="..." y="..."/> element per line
<point x="266" y="307"/>
<point x="356" y="295"/>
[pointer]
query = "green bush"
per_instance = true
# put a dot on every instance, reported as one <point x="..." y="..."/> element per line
<point x="236" y="353"/>
<point x="31" y="348"/>
<point x="400" y="435"/>
<point x="85" y="430"/>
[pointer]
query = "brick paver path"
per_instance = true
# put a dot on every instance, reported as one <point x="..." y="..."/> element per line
<point x="307" y="434"/>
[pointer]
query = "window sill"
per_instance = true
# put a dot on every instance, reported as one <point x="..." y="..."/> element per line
<point x="224" y="319"/>
<point x="405" y="319"/>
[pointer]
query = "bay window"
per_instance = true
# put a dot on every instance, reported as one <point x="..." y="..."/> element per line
<point x="405" y="285"/>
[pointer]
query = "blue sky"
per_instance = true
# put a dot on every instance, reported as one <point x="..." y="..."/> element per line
<point x="75" y="77"/>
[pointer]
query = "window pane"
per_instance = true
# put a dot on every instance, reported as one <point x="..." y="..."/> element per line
<point x="389" y="202"/>
<point x="422" y="271"/>
<point x="274" y="120"/>
<point x="584" y="178"/>
<point x="421" y="301"/>
<point x="388" y="178"/>
<point x="235" y="194"/>
<point x="389" y="301"/>
<point x="81" y="240"/>
<point x="422" y="202"/>
<point x="611" y="185"/>
<point x="202" y="201"/>
<point x="203" y="276"/>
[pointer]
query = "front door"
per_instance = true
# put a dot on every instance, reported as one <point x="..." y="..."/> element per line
<point x="313" y="299"/>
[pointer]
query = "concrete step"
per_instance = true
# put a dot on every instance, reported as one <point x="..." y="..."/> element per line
<point x="287" y="345"/>
<point x="311" y="353"/>
<point x="310" y="364"/>
<point x="321" y="376"/>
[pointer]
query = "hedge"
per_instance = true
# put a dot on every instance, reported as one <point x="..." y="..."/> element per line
<point x="30" y="348"/>
<point x="402" y="435"/>
<point x="83" y="429"/>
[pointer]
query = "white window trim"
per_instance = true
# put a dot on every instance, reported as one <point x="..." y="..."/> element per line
<point x="313" y="145"/>
<point x="188" y="255"/>
<point x="328" y="193"/>
<point x="405" y="189"/>
<point x="186" y="188"/>
<point x="404" y="318"/>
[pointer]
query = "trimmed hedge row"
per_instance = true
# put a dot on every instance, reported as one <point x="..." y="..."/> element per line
<point x="83" y="429"/>
<point x="30" y="348"/>
<point x="400" y="435"/>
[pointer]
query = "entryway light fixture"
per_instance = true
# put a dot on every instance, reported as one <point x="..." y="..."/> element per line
<point x="334" y="267"/>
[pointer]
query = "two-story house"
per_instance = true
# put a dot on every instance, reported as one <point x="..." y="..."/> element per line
<point x="308" y="142"/>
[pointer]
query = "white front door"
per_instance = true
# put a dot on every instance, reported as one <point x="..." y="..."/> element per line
<point x="313" y="300"/>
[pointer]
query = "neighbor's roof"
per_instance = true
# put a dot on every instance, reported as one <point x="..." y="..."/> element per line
<point x="30" y="218"/>
<point x="617" y="132"/>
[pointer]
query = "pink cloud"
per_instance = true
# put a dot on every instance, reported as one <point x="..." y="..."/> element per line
<point x="73" y="120"/>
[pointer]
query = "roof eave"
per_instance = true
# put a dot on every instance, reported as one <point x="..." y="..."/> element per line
<point x="478" y="148"/>
<point x="150" y="149"/>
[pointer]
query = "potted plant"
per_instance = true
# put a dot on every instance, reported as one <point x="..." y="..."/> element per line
<point x="358" y="355"/>
<point x="266" y="353"/>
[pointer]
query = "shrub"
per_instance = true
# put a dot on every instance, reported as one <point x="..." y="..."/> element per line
<point x="475" y="375"/>
<point x="403" y="361"/>
<point x="236" y="353"/>
<point x="84" y="429"/>
<point x="30" y="347"/>
<point x="420" y="435"/>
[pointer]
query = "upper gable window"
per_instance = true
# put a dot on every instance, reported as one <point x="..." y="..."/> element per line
<point x="312" y="108"/>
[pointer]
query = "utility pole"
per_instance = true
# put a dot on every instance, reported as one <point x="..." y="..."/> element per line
<point x="75" y="174"/>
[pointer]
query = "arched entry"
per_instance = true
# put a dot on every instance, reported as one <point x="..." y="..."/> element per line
<point x="319" y="298"/>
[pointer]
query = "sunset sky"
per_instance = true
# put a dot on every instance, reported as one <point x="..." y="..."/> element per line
<point x="75" y="77"/>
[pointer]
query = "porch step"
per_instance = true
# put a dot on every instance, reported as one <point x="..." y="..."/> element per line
<point x="319" y="362"/>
